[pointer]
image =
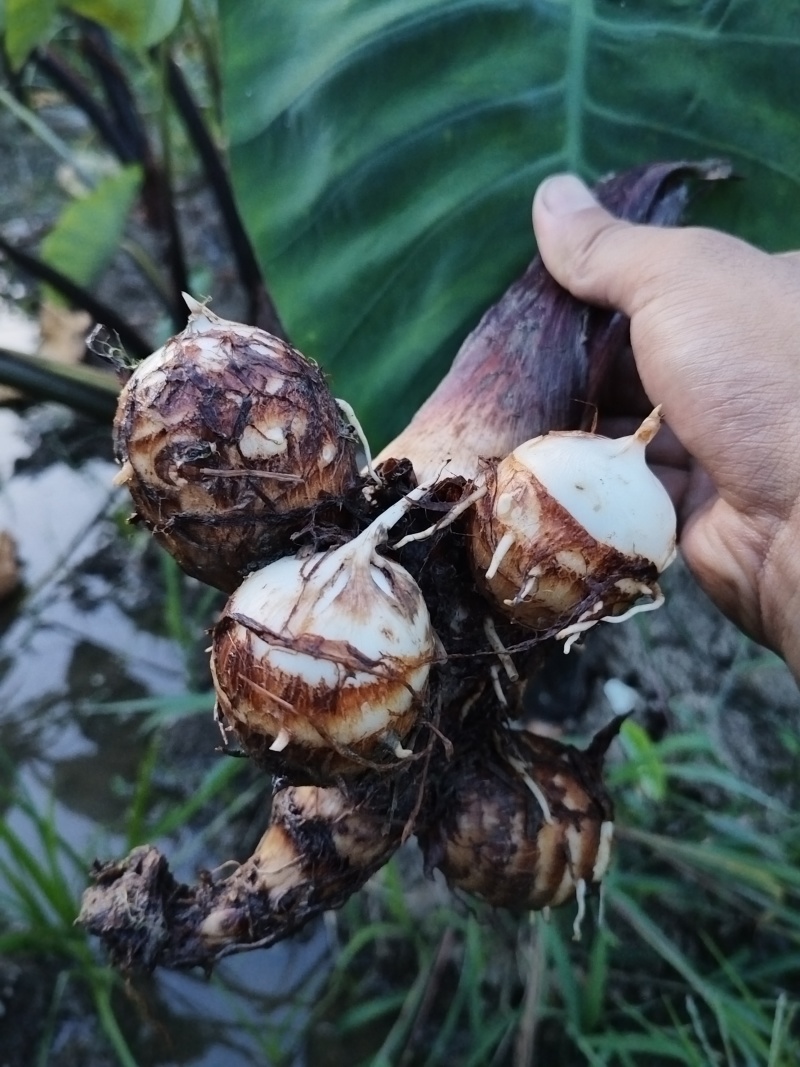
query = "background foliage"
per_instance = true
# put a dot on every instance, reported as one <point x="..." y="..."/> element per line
<point x="385" y="153"/>
<point x="29" y="22"/>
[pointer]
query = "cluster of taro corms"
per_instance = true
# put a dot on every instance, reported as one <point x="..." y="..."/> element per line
<point x="382" y="623"/>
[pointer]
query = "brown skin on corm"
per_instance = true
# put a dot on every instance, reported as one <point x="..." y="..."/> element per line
<point x="527" y="374"/>
<point x="576" y="571"/>
<point x="179" y="426"/>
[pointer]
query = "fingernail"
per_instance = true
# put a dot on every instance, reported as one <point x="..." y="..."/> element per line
<point x="564" y="193"/>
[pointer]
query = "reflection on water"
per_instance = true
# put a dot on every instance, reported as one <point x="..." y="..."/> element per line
<point x="82" y="633"/>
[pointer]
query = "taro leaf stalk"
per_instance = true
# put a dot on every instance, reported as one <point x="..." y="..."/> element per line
<point x="538" y="357"/>
<point x="533" y="364"/>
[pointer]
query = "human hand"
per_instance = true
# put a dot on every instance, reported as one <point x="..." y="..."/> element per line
<point x="715" y="332"/>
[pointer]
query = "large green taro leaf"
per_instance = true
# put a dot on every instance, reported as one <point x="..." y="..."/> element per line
<point x="385" y="152"/>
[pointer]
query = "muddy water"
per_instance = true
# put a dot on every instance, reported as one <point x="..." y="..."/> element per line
<point x="87" y="630"/>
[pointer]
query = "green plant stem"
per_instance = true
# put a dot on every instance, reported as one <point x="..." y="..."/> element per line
<point x="54" y="67"/>
<point x="206" y="32"/>
<point x="176" y="258"/>
<point x="43" y="132"/>
<point x="130" y="338"/>
<point x="97" y="49"/>
<point x="530" y="1013"/>
<point x="108" y="1020"/>
<point x="150" y="272"/>
<point x="582" y="13"/>
<point x="398" y="1035"/>
<point x="262" y="311"/>
<point x="91" y="392"/>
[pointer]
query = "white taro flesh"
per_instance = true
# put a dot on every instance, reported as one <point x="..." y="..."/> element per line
<point x="574" y="528"/>
<point x="229" y="439"/>
<point x="324" y="660"/>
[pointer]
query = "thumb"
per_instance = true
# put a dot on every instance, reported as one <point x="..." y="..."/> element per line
<point x="594" y="255"/>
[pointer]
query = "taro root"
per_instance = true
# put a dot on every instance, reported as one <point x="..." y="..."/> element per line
<point x="230" y="441"/>
<point x="525" y="822"/>
<point x="574" y="528"/>
<point x="324" y="660"/>
<point x="321" y="846"/>
<point x="327" y="665"/>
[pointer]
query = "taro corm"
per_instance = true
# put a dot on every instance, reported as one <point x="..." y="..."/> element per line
<point x="382" y="625"/>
